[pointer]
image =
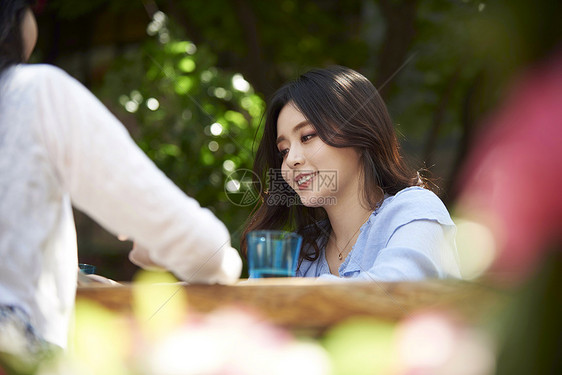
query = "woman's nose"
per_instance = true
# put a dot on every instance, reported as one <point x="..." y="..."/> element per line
<point x="295" y="158"/>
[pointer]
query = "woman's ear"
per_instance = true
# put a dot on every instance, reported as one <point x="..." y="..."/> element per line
<point x="28" y="33"/>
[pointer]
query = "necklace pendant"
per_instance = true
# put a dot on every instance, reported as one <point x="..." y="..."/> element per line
<point x="339" y="256"/>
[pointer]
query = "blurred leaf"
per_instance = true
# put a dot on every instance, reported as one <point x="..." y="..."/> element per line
<point x="361" y="346"/>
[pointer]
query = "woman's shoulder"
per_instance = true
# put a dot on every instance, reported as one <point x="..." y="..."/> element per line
<point x="33" y="75"/>
<point x="42" y="70"/>
<point x="415" y="203"/>
<point x="414" y="194"/>
<point x="46" y="81"/>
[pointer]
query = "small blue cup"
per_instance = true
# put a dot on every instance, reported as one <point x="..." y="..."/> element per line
<point x="88" y="269"/>
<point x="273" y="253"/>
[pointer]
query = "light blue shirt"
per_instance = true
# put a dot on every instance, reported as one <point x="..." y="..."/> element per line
<point x="410" y="236"/>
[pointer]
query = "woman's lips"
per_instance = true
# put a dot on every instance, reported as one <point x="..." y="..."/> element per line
<point x="304" y="180"/>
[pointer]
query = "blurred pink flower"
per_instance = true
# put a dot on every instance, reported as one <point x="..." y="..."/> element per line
<point x="513" y="177"/>
<point x="232" y="342"/>
<point x="435" y="343"/>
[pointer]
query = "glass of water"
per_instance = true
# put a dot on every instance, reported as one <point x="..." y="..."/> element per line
<point x="273" y="253"/>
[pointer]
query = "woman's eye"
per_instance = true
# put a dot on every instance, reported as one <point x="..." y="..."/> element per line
<point x="307" y="137"/>
<point x="283" y="152"/>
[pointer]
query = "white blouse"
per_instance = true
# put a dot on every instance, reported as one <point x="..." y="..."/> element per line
<point x="59" y="146"/>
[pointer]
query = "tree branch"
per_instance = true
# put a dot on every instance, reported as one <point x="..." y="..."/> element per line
<point x="254" y="66"/>
<point x="400" y="17"/>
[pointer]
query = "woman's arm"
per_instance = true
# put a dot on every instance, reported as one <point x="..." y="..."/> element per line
<point x="113" y="181"/>
<point x="418" y="250"/>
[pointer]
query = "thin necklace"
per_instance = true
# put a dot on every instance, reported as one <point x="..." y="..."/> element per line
<point x="340" y="254"/>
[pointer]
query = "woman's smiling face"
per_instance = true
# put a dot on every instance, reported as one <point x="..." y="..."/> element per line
<point x="321" y="174"/>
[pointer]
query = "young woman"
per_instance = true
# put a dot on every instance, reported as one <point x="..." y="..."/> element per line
<point x="330" y="155"/>
<point x="60" y="146"/>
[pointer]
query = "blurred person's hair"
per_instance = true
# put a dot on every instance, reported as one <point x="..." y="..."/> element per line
<point x="11" y="41"/>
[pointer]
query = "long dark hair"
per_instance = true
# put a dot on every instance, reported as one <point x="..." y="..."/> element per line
<point x="346" y="111"/>
<point x="11" y="43"/>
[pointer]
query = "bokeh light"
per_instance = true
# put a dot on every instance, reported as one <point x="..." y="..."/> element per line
<point x="361" y="346"/>
<point x="239" y="83"/>
<point x="187" y="65"/>
<point x="435" y="343"/>
<point x="426" y="342"/>
<point x="220" y="92"/>
<point x="228" y="165"/>
<point x="131" y="106"/>
<point x="213" y="146"/>
<point x="206" y="76"/>
<point x="153" y="104"/>
<point x="101" y="339"/>
<point x="216" y="129"/>
<point x="476" y="247"/>
<point x="233" y="186"/>
<point x="158" y="303"/>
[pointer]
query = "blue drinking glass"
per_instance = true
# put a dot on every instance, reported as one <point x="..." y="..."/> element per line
<point x="88" y="269"/>
<point x="273" y="253"/>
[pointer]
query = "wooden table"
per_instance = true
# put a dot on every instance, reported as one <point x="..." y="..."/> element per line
<point x="310" y="305"/>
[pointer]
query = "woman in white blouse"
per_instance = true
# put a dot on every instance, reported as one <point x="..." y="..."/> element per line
<point x="59" y="146"/>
